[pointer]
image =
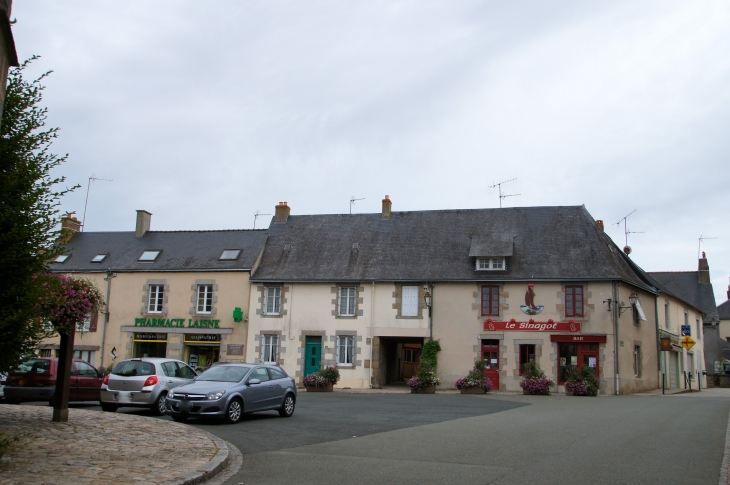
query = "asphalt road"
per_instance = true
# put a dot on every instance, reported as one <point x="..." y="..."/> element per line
<point x="454" y="439"/>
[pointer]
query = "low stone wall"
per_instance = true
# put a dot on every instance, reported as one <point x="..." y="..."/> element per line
<point x="718" y="380"/>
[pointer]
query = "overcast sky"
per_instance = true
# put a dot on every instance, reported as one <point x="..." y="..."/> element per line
<point x="205" y="112"/>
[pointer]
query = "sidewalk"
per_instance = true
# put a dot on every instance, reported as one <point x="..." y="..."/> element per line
<point x="105" y="448"/>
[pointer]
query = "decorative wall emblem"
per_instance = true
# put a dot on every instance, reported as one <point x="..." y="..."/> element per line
<point x="529" y="307"/>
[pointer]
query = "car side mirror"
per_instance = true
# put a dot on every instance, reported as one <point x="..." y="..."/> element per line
<point x="253" y="382"/>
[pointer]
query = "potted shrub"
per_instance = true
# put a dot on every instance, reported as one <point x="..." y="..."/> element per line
<point x="582" y="383"/>
<point x="425" y="381"/>
<point x="322" y="381"/>
<point x="474" y="382"/>
<point x="535" y="382"/>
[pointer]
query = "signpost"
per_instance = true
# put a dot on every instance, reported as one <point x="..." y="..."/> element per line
<point x="688" y="342"/>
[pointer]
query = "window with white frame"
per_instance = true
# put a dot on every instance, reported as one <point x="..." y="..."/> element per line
<point x="699" y="328"/>
<point x="205" y="299"/>
<point x="345" y="351"/>
<point x="346" y="301"/>
<point x="409" y="301"/>
<point x="156" y="299"/>
<point x="272" y="301"/>
<point x="270" y="349"/>
<point x="490" y="264"/>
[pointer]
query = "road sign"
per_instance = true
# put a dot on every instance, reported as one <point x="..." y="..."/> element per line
<point x="686" y="330"/>
<point x="688" y="342"/>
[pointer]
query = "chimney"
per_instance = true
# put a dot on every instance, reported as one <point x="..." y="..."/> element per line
<point x="69" y="226"/>
<point x="282" y="212"/>
<point x="703" y="270"/>
<point x="386" y="208"/>
<point x="144" y="219"/>
<point x="599" y="223"/>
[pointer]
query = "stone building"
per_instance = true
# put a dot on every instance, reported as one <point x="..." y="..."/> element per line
<point x="8" y="56"/>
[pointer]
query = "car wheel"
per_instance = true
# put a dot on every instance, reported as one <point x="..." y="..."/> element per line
<point x="158" y="408"/>
<point x="179" y="419"/>
<point x="234" y="411"/>
<point x="109" y="408"/>
<point x="287" y="409"/>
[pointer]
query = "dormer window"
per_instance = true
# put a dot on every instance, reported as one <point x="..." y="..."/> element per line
<point x="149" y="256"/>
<point x="490" y="264"/>
<point x="230" y="254"/>
<point x="98" y="258"/>
<point x="62" y="258"/>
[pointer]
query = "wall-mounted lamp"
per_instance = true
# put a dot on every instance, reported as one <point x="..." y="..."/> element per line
<point x="633" y="299"/>
<point x="428" y="299"/>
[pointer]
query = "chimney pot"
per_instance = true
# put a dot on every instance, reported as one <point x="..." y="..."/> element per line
<point x="387" y="204"/>
<point x="69" y="226"/>
<point x="600" y="225"/>
<point x="144" y="219"/>
<point x="281" y="214"/>
<point x="703" y="273"/>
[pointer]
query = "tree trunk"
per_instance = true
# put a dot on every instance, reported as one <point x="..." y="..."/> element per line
<point x="63" y="377"/>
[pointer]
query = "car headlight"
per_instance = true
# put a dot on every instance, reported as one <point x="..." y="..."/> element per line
<point x="171" y="394"/>
<point x="215" y="395"/>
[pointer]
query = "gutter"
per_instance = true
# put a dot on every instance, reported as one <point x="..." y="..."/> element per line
<point x="615" y="338"/>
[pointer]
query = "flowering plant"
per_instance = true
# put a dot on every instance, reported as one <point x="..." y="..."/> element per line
<point x="475" y="378"/>
<point x="535" y="381"/>
<point x="582" y="383"/>
<point x="426" y="376"/>
<point x="325" y="377"/>
<point x="67" y="302"/>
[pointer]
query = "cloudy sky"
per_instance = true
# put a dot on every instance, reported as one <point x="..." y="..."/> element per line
<point x="204" y="113"/>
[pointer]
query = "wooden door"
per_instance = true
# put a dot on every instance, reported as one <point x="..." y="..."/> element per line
<point x="490" y="354"/>
<point x="410" y="358"/>
<point x="313" y="352"/>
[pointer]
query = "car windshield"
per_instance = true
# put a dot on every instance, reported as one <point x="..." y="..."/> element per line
<point x="132" y="368"/>
<point x="224" y="373"/>
<point x="35" y="366"/>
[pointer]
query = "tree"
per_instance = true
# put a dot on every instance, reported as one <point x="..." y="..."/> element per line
<point x="29" y="214"/>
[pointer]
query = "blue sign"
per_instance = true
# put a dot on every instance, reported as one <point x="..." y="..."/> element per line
<point x="686" y="331"/>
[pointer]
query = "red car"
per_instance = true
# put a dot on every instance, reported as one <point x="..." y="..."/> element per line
<point x="35" y="380"/>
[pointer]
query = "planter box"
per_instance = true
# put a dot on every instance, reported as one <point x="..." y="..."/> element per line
<point x="426" y="390"/>
<point x="473" y="390"/>
<point x="319" y="389"/>
<point x="568" y="393"/>
<point x="544" y="393"/>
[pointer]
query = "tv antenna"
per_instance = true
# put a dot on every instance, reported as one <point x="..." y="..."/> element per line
<point x="256" y="216"/>
<point x="352" y="202"/>
<point x="627" y="248"/>
<point x="92" y="179"/>
<point x="702" y="238"/>
<point x="499" y="187"/>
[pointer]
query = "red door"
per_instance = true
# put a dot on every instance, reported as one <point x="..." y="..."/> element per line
<point x="490" y="354"/>
<point x="589" y="358"/>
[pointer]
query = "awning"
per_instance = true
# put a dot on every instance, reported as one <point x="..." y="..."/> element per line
<point x="640" y="310"/>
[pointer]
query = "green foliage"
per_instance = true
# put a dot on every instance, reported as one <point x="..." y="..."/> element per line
<point x="586" y="380"/>
<point x="533" y="371"/>
<point x="331" y="373"/>
<point x="29" y="214"/>
<point x="428" y="355"/>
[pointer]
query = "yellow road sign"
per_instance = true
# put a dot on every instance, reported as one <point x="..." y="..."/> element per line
<point x="688" y="342"/>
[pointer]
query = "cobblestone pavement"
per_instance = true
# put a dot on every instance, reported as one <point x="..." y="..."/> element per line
<point x="104" y="448"/>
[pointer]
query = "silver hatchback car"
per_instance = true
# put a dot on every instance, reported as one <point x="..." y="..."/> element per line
<point x="143" y="383"/>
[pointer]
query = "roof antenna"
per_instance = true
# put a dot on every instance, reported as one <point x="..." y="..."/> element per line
<point x="499" y="186"/>
<point x="256" y="216"/>
<point x="352" y="202"/>
<point x="702" y="238"/>
<point x="92" y="179"/>
<point x="627" y="248"/>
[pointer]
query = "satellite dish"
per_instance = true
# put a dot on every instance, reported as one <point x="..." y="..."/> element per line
<point x="627" y="250"/>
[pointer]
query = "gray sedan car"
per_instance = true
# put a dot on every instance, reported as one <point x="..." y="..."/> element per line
<point x="143" y="383"/>
<point x="229" y="390"/>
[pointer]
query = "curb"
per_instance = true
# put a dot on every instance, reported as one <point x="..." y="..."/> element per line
<point x="211" y="469"/>
<point x="726" y="456"/>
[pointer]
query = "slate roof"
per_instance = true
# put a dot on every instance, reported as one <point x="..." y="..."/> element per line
<point x="723" y="309"/>
<point x="686" y="286"/>
<point x="181" y="251"/>
<point x="550" y="243"/>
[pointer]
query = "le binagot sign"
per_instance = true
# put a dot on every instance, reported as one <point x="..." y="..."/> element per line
<point x="533" y="326"/>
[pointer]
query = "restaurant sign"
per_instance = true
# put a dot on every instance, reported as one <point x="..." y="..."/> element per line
<point x="532" y="326"/>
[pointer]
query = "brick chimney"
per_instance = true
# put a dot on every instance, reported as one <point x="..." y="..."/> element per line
<point x="599" y="223"/>
<point x="386" y="208"/>
<point x="69" y="226"/>
<point x="144" y="219"/>
<point x="703" y="274"/>
<point x="282" y="212"/>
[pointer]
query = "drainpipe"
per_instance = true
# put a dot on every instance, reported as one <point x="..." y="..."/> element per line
<point x="658" y="344"/>
<point x="616" y="312"/>
<point x="372" y="329"/>
<point x="430" y="315"/>
<point x="109" y="276"/>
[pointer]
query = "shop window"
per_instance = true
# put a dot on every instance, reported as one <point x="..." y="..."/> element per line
<point x="345" y="350"/>
<point x="156" y="299"/>
<point x="346" y="301"/>
<point x="573" y="301"/>
<point x="572" y="357"/>
<point x="490" y="300"/>
<point x="409" y="301"/>
<point x="527" y="355"/>
<point x="637" y="360"/>
<point x="270" y="349"/>
<point x="205" y="299"/>
<point x="272" y="301"/>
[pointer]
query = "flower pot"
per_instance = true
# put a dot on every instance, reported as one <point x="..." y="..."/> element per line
<point x="425" y="390"/>
<point x="569" y="393"/>
<point x="327" y="388"/>
<point x="473" y="390"/>
<point x="537" y="393"/>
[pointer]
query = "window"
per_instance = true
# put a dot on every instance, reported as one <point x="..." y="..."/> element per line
<point x="409" y="301"/>
<point x="230" y="254"/>
<point x="98" y="258"/>
<point x="260" y="373"/>
<point x="490" y="300"/>
<point x="277" y="374"/>
<point x="45" y="352"/>
<point x="270" y="349"/>
<point x="573" y="301"/>
<point x="62" y="258"/>
<point x="490" y="264"/>
<point x="686" y="317"/>
<point x="85" y="355"/>
<point x="85" y="370"/>
<point x="666" y="314"/>
<point x="346" y="302"/>
<point x="637" y="360"/>
<point x="635" y="314"/>
<point x="344" y="350"/>
<point x="156" y="299"/>
<point x="272" y="301"/>
<point x="205" y="299"/>
<point x="149" y="256"/>
<point x="699" y="328"/>
<point x="527" y="355"/>
<point x="185" y="371"/>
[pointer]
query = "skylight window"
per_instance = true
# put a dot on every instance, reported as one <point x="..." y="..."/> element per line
<point x="149" y="256"/>
<point x="62" y="258"/>
<point x="230" y="254"/>
<point x="98" y="258"/>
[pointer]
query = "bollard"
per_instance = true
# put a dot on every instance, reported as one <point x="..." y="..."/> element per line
<point x="664" y="379"/>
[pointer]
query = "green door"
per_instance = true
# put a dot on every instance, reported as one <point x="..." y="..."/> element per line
<point x="313" y="355"/>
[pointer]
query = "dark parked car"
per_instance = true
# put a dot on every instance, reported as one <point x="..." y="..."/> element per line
<point x="35" y="380"/>
<point x="229" y="390"/>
